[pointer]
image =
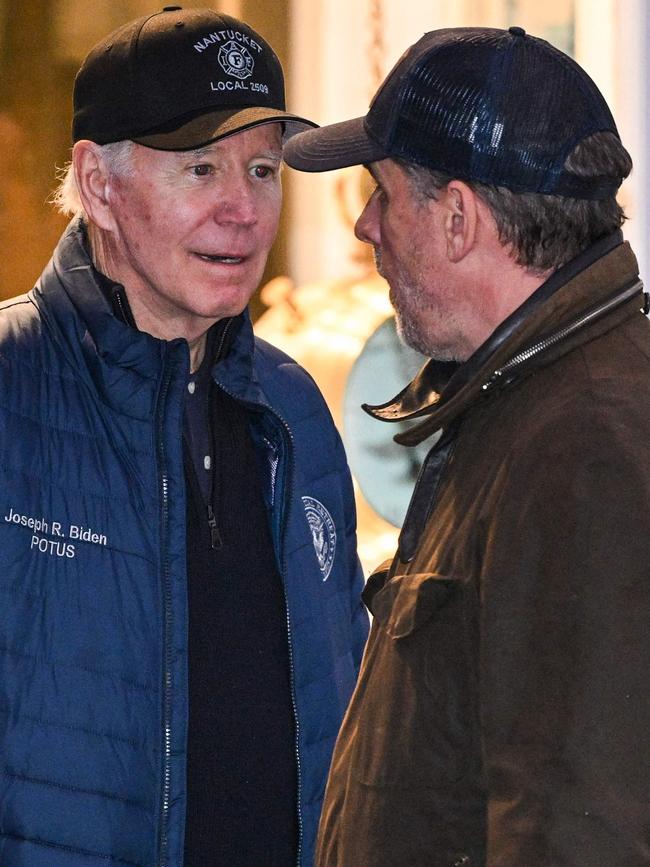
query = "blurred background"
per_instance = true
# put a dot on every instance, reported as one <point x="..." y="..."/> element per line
<point x="321" y="299"/>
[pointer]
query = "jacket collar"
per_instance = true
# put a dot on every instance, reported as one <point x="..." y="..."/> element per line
<point x="603" y="282"/>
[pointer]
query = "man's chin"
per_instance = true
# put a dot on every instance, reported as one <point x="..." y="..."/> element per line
<point x="223" y="302"/>
<point x="408" y="335"/>
<point x="412" y="337"/>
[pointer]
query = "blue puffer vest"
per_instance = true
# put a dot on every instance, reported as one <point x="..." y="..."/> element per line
<point x="93" y="610"/>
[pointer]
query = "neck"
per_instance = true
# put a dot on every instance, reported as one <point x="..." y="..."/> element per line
<point x="501" y="287"/>
<point x="197" y="351"/>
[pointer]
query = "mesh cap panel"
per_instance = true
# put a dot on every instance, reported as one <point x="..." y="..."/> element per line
<point x="494" y="106"/>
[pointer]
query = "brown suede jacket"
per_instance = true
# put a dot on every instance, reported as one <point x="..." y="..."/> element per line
<point x="502" y="715"/>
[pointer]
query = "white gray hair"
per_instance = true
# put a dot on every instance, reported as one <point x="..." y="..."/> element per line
<point x="66" y="198"/>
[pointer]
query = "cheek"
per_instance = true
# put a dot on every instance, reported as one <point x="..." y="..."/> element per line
<point x="129" y="200"/>
<point x="269" y="219"/>
<point x="396" y="230"/>
<point x="152" y="228"/>
<point x="390" y="240"/>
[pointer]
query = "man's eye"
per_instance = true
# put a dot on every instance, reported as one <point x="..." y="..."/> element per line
<point x="201" y="170"/>
<point x="263" y="171"/>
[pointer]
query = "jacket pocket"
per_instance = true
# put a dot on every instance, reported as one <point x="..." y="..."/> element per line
<point x="404" y="603"/>
<point x="417" y="687"/>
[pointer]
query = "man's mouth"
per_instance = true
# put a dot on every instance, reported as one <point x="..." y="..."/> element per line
<point x="223" y="260"/>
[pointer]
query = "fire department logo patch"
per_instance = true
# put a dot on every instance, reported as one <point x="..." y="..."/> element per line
<point x="236" y="60"/>
<point x="323" y="533"/>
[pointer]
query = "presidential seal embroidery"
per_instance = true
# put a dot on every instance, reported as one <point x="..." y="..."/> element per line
<point x="323" y="533"/>
<point x="236" y="60"/>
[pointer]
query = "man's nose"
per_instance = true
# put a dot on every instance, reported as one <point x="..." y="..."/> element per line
<point x="236" y="203"/>
<point x="367" y="227"/>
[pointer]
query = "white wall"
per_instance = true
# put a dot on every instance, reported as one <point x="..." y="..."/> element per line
<point x="631" y="109"/>
<point x="331" y="81"/>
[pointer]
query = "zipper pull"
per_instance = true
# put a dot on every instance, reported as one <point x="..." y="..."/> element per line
<point x="215" y="535"/>
<point x="492" y="381"/>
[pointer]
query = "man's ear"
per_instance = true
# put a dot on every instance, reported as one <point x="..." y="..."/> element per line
<point x="461" y="219"/>
<point x="93" y="183"/>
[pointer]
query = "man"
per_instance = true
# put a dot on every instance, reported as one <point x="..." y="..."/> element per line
<point x="502" y="712"/>
<point x="181" y="622"/>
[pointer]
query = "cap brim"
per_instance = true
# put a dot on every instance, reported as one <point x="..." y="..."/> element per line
<point x="333" y="147"/>
<point x="214" y="125"/>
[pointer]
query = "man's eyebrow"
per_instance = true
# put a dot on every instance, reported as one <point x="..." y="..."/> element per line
<point x="209" y="150"/>
<point x="200" y="153"/>
<point x="275" y="154"/>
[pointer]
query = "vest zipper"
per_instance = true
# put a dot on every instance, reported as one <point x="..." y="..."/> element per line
<point x="166" y="751"/>
<point x="542" y="345"/>
<point x="225" y="331"/>
<point x="281" y="523"/>
<point x="125" y="310"/>
<point x="216" y="540"/>
<point x="215" y="536"/>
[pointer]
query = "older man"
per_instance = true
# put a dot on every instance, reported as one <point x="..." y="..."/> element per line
<point x="180" y="621"/>
<point x="502" y="713"/>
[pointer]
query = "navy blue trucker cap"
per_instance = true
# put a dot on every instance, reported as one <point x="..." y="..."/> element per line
<point x="494" y="106"/>
<point x="179" y="79"/>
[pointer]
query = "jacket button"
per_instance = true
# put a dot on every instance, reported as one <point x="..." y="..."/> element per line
<point x="462" y="861"/>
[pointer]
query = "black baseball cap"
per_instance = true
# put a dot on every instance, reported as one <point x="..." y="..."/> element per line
<point x="179" y="79"/>
<point x="495" y="106"/>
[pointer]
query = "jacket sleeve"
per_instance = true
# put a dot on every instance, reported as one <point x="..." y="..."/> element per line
<point x="566" y="652"/>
